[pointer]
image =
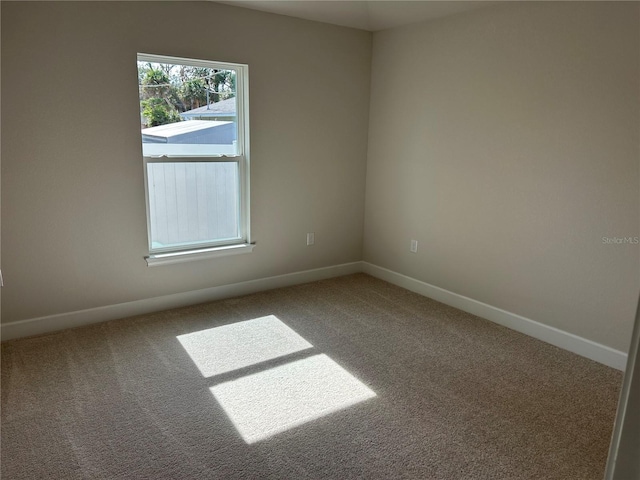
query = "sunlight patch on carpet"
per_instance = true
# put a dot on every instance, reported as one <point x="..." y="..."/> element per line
<point x="231" y="347"/>
<point x="272" y="401"/>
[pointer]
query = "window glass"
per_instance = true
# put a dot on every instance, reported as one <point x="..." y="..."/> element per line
<point x="192" y="203"/>
<point x="187" y="110"/>
<point x="193" y="119"/>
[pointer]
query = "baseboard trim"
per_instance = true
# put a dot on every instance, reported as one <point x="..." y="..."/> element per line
<point x="567" y="341"/>
<point x="52" y="323"/>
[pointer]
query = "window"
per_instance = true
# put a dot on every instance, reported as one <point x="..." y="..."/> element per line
<point x="195" y="145"/>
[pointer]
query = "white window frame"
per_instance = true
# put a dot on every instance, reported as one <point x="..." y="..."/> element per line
<point x="242" y="243"/>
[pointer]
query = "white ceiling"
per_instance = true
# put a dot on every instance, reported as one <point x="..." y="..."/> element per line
<point x="366" y="15"/>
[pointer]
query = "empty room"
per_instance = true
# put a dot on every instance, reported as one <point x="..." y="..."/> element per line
<point x="320" y="240"/>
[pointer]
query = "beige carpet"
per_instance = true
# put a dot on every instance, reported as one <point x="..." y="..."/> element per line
<point x="344" y="378"/>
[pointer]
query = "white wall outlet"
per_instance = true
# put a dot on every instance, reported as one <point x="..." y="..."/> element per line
<point x="414" y="246"/>
<point x="311" y="238"/>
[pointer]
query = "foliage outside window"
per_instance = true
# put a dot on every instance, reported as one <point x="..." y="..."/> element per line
<point x="167" y="89"/>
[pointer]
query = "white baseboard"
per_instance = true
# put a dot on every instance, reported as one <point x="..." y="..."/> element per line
<point x="559" y="338"/>
<point x="567" y="341"/>
<point x="52" y="323"/>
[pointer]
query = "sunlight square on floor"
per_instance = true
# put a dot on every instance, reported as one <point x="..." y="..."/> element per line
<point x="274" y="400"/>
<point x="231" y="347"/>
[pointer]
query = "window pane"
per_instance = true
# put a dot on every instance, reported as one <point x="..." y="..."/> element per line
<point x="192" y="203"/>
<point x="187" y="110"/>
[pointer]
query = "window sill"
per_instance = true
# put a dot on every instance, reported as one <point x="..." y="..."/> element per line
<point x="156" y="259"/>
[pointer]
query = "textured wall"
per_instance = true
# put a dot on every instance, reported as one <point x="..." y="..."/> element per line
<point x="73" y="207"/>
<point x="507" y="142"/>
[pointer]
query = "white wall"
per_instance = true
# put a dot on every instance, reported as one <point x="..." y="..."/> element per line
<point x="507" y="142"/>
<point x="73" y="208"/>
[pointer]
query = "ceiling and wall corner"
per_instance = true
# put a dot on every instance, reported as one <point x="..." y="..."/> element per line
<point x="372" y="16"/>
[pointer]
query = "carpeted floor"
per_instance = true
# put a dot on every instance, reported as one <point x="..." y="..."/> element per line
<point x="351" y="378"/>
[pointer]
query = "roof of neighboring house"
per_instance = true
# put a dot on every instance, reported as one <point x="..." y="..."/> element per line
<point x="181" y="128"/>
<point x="223" y="107"/>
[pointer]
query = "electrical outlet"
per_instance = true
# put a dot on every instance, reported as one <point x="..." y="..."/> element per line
<point x="414" y="246"/>
<point x="311" y="238"/>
